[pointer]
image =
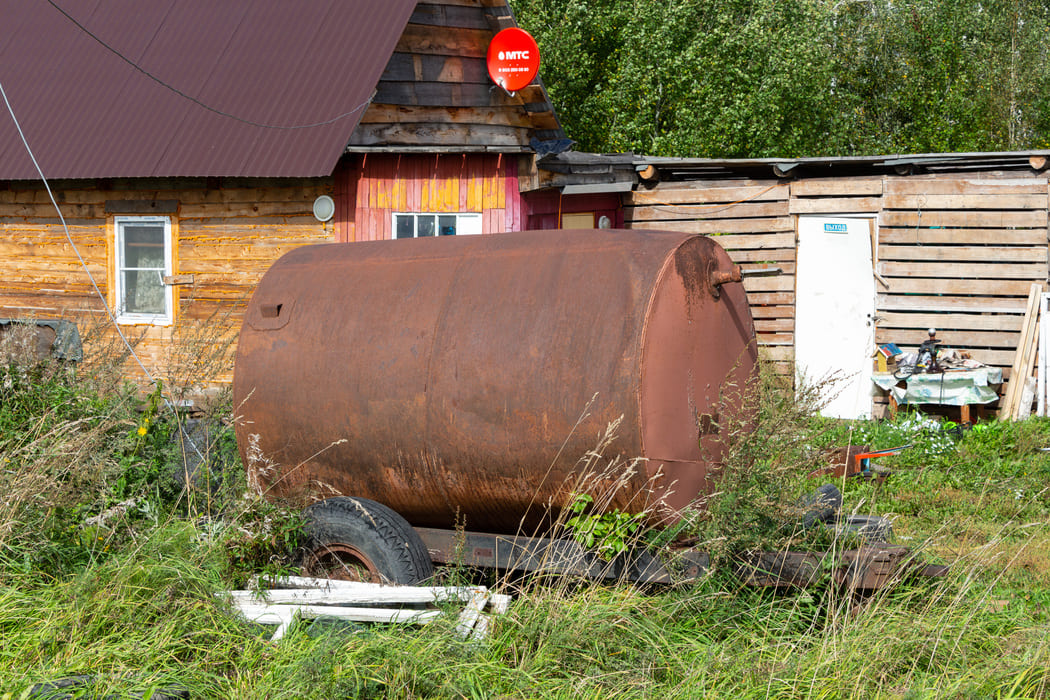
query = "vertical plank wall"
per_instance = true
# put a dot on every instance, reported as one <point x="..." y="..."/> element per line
<point x="226" y="234"/>
<point x="472" y="182"/>
<point x="956" y="251"/>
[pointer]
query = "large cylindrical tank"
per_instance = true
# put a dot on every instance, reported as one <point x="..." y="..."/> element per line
<point x="462" y="379"/>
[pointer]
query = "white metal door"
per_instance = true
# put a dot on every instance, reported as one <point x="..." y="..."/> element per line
<point x="835" y="309"/>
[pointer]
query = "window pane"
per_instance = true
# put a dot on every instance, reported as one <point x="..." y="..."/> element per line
<point x="403" y="224"/>
<point x="144" y="246"/>
<point x="447" y="225"/>
<point x="143" y="292"/>
<point x="424" y="225"/>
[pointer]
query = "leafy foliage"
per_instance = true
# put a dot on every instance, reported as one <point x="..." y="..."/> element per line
<point x="608" y="533"/>
<point x="143" y="608"/>
<point x="765" y="78"/>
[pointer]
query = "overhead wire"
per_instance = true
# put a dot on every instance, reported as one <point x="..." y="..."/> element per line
<point x="69" y="237"/>
<point x="194" y="100"/>
<point x="83" y="263"/>
<point x="650" y="199"/>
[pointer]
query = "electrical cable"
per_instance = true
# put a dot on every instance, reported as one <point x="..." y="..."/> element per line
<point x="69" y="238"/>
<point x="83" y="263"/>
<point x="706" y="208"/>
<point x="194" y="100"/>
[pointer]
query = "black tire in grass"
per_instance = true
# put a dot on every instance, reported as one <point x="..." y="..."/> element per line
<point x="355" y="539"/>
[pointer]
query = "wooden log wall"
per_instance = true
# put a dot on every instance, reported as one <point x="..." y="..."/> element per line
<point x="752" y="221"/>
<point x="226" y="234"/>
<point x="956" y="251"/>
<point x="436" y="92"/>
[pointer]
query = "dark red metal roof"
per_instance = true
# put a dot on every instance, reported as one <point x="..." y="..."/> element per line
<point x="88" y="114"/>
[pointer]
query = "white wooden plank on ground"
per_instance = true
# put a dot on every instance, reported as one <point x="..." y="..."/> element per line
<point x="297" y="598"/>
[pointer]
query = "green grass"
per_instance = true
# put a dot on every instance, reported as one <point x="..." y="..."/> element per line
<point x="136" y="601"/>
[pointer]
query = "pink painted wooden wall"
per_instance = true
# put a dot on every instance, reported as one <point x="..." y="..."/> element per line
<point x="370" y="188"/>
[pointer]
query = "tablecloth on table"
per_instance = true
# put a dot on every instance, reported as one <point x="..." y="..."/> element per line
<point x="952" y="388"/>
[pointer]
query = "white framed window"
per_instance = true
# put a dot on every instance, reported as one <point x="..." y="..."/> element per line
<point x="411" y="225"/>
<point x="143" y="259"/>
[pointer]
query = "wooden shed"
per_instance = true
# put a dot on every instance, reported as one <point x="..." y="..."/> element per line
<point x="181" y="175"/>
<point x="952" y="242"/>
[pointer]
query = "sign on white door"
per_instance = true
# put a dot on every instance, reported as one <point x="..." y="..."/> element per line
<point x="834" y="311"/>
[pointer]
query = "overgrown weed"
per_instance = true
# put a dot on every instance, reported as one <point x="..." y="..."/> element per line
<point x="148" y="612"/>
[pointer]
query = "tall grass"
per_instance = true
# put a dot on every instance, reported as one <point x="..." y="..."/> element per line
<point x="108" y="571"/>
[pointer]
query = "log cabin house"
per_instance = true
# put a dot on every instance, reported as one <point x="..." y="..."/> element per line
<point x="187" y="149"/>
<point x="189" y="145"/>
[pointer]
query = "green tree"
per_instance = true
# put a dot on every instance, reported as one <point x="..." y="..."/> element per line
<point x="760" y="78"/>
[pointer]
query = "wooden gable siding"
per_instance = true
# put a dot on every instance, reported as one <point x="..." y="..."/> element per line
<point x="956" y="251"/>
<point x="436" y="91"/>
<point x="381" y="184"/>
<point x="226" y="234"/>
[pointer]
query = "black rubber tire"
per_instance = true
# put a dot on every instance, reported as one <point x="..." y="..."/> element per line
<point x="870" y="528"/>
<point x="359" y="539"/>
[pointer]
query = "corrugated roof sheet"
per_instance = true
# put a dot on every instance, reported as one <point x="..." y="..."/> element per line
<point x="842" y="166"/>
<point x="89" y="114"/>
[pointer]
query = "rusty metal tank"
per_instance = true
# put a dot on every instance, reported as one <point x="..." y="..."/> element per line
<point x="462" y="379"/>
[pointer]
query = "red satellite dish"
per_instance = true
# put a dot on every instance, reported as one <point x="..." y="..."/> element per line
<point x="513" y="59"/>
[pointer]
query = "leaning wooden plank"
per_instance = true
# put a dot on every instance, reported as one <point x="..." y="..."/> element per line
<point x="1024" y="408"/>
<point x="1026" y="393"/>
<point x="1018" y="373"/>
<point x="1012" y="396"/>
<point x="1044" y="345"/>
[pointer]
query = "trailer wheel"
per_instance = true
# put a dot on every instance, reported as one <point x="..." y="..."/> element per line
<point x="355" y="539"/>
